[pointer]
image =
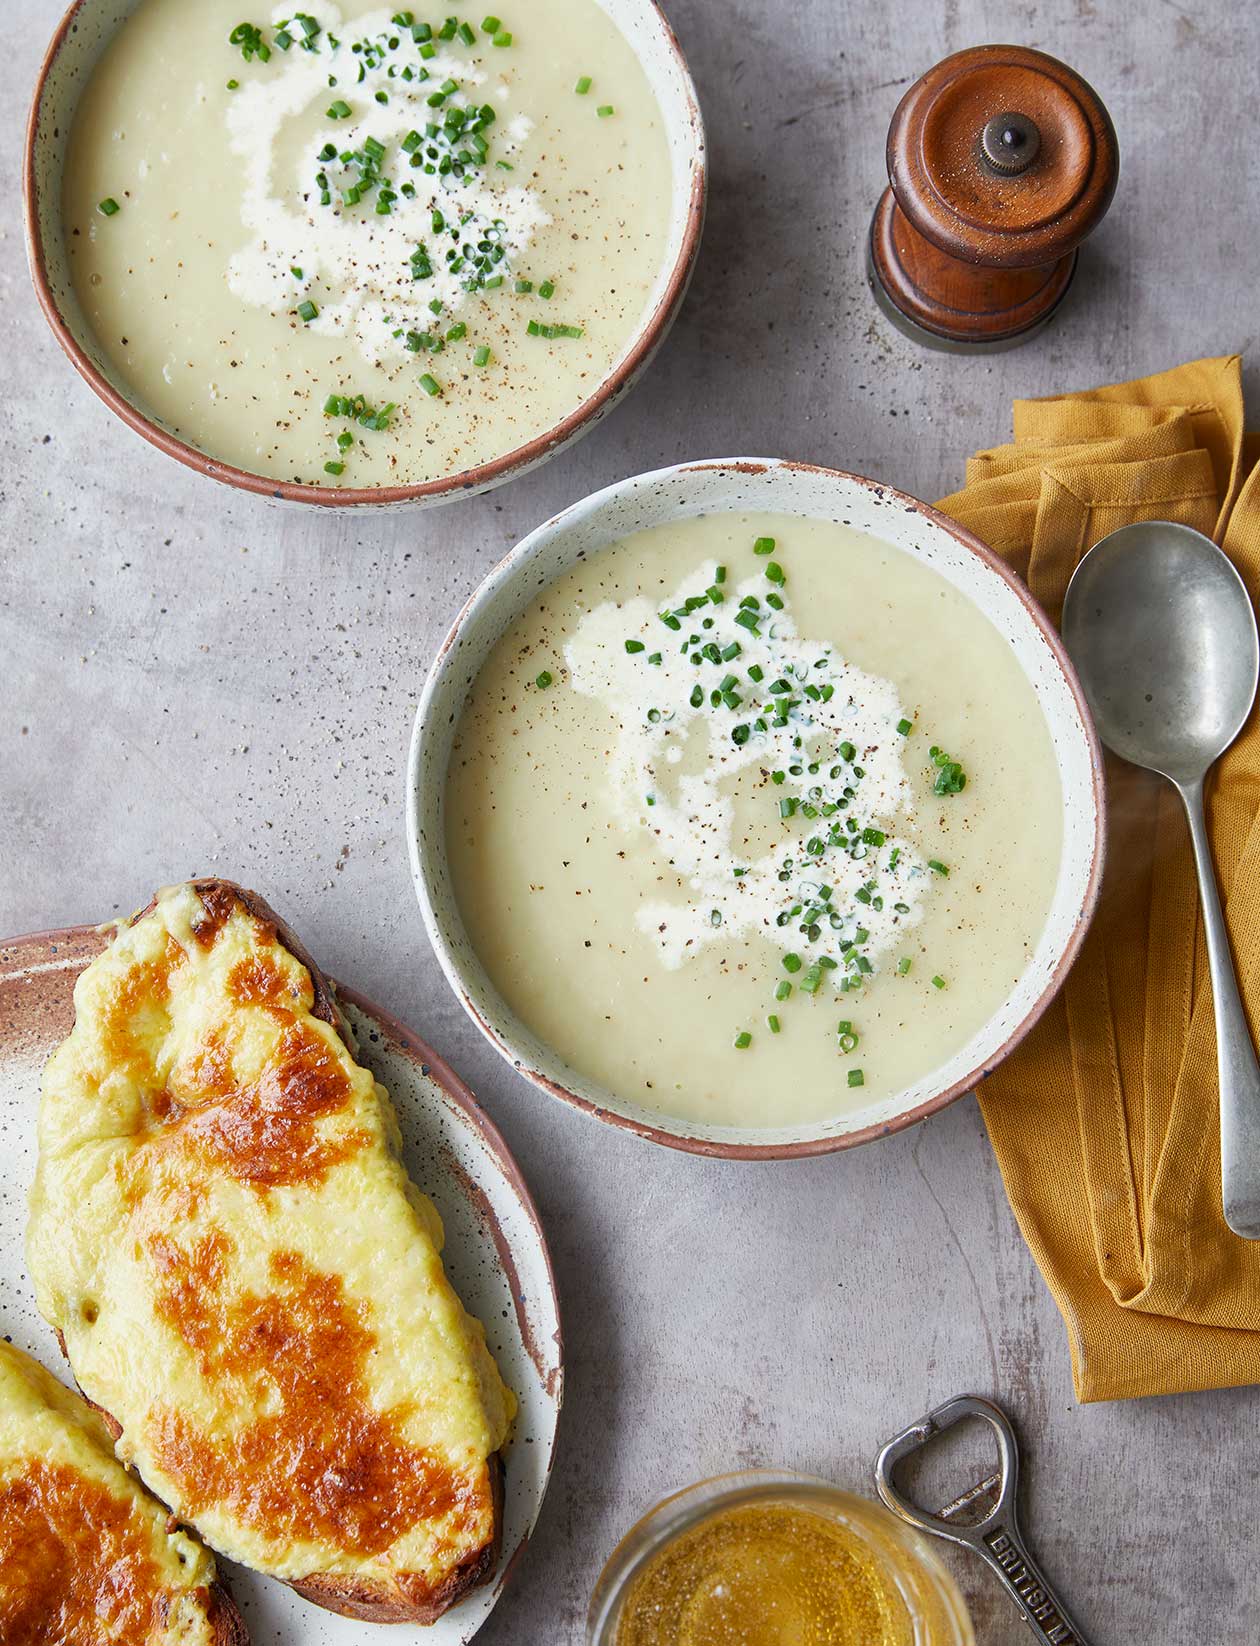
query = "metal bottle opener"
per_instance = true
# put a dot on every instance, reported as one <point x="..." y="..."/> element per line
<point x="996" y="1536"/>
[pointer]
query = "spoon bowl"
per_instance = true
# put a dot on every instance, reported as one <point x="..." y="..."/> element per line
<point x="1161" y="630"/>
<point x="1163" y="635"/>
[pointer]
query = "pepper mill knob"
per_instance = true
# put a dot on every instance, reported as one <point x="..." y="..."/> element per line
<point x="1001" y="161"/>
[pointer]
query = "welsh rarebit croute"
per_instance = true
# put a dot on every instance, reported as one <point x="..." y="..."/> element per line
<point x="245" y="1280"/>
<point x="87" y="1557"/>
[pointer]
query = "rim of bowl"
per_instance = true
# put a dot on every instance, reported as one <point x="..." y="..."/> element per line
<point x="720" y="1148"/>
<point x="482" y="476"/>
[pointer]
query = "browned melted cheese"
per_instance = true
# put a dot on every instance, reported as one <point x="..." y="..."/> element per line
<point x="320" y="1457"/>
<point x="314" y="1398"/>
<point x="264" y="1131"/>
<point x="73" y="1560"/>
<point x="86" y="1555"/>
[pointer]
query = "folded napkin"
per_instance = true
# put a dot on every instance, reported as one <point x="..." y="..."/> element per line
<point x="1105" y="1121"/>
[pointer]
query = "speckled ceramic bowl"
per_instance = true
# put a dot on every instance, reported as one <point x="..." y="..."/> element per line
<point x="83" y="34"/>
<point x="731" y="486"/>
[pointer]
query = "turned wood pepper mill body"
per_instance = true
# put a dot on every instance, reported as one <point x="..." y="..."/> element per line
<point x="1001" y="161"/>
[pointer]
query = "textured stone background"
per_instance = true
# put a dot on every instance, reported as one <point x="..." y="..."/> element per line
<point x="195" y="682"/>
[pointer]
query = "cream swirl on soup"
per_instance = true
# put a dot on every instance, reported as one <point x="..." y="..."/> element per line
<point x="725" y="684"/>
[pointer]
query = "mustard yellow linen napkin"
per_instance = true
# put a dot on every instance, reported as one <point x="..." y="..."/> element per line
<point x="1105" y="1121"/>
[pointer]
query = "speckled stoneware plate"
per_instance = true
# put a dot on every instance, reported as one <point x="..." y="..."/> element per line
<point x="737" y="485"/>
<point x="495" y="1254"/>
<point x="81" y="37"/>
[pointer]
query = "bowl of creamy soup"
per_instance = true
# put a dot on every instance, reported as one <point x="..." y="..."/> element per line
<point x="357" y="253"/>
<point x="754" y="807"/>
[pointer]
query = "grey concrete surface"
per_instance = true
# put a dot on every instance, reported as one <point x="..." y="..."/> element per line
<point x="191" y="681"/>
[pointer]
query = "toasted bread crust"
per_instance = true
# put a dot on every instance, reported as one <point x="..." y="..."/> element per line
<point x="227" y="1623"/>
<point x="371" y="1600"/>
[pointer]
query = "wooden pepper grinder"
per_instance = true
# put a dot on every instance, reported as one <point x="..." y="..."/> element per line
<point x="1001" y="160"/>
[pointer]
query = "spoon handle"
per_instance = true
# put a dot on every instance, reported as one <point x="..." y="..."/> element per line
<point x="1236" y="1056"/>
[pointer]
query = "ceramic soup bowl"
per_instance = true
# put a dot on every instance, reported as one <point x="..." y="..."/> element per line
<point x="82" y="36"/>
<point x="747" y="485"/>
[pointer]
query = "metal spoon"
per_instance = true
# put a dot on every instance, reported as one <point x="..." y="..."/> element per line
<point x="1161" y="630"/>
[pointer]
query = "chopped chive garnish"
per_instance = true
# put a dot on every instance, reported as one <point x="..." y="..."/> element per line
<point x="542" y="681"/>
<point x="782" y="989"/>
<point x="633" y="646"/>
<point x="307" y="311"/>
<point x="743" y="1040"/>
<point x="466" y="34"/>
<point x="772" y="1023"/>
<point x="903" y="965"/>
<point x="109" y="207"/>
<point x="334" y="468"/>
<point x="940" y="868"/>
<point x="547" y="289"/>
<point x="905" y="727"/>
<point x="583" y="85"/>
<point x="491" y="25"/>
<point x="430" y="384"/>
<point x="938" y="982"/>
<point x="604" y="110"/>
<point x="340" y="110"/>
<point x="792" y="962"/>
<point x="774" y="571"/>
<point x="233" y="85"/>
<point x="856" y="1077"/>
<point x="249" y="37"/>
<point x="481" y="356"/>
<point x="764" y="545"/>
<point x="502" y="38"/>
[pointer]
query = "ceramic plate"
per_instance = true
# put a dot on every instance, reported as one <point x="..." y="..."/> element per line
<point x="495" y="1253"/>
